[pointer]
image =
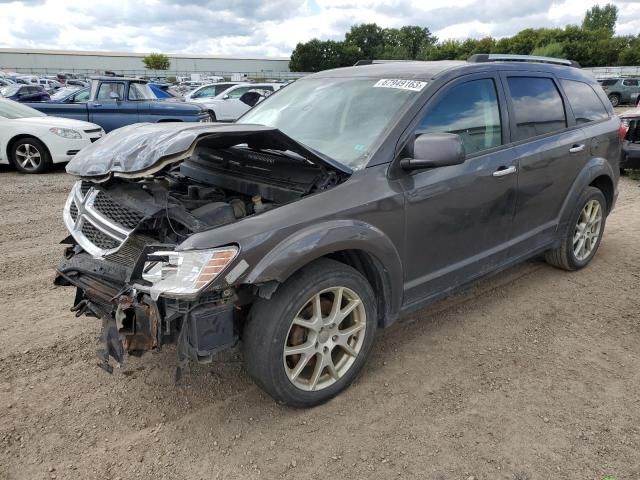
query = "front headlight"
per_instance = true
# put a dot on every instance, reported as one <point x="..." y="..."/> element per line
<point x="178" y="274"/>
<point x="66" y="133"/>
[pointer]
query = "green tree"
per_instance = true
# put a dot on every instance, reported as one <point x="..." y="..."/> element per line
<point x="601" y="18"/>
<point x="555" y="50"/>
<point x="414" y="39"/>
<point x="368" y="38"/>
<point x="156" y="61"/>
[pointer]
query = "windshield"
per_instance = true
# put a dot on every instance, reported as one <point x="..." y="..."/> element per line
<point x="140" y="91"/>
<point x="339" y="117"/>
<point x="9" y="91"/>
<point x="10" y="109"/>
<point x="63" y="92"/>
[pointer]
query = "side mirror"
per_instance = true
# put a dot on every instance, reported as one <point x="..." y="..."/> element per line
<point x="114" y="96"/>
<point x="433" y="150"/>
<point x="226" y="97"/>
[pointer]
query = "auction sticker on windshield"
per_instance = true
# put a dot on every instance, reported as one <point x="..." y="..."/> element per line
<point x="413" y="85"/>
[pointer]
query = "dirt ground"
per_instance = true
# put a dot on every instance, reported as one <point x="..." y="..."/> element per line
<point x="532" y="374"/>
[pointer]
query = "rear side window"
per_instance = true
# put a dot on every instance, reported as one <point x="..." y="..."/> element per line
<point x="630" y="82"/>
<point x="538" y="107"/>
<point x="608" y="82"/>
<point x="584" y="102"/>
<point x="471" y="110"/>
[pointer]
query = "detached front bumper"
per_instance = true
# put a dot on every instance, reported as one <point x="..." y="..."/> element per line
<point x="133" y="323"/>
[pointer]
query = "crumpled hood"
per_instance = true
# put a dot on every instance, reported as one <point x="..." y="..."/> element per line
<point x="141" y="149"/>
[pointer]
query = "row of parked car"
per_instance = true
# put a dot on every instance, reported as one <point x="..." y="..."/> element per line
<point x="37" y="132"/>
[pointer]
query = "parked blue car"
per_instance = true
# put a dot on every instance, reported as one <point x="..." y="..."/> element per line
<point x="117" y="101"/>
<point x="25" y="93"/>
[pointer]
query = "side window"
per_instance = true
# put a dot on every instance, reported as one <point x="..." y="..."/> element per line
<point x="104" y="93"/>
<point x="538" y="107"/>
<point x="81" y="97"/>
<point x="584" y="102"/>
<point x="204" y="92"/>
<point x="471" y="110"/>
<point x="238" y="92"/>
<point x="630" y="82"/>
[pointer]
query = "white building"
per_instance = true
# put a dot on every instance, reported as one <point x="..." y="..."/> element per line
<point x="86" y="62"/>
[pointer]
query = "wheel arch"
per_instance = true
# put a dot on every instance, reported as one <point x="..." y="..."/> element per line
<point x="360" y="246"/>
<point x="167" y="120"/>
<point x="19" y="137"/>
<point x="598" y="173"/>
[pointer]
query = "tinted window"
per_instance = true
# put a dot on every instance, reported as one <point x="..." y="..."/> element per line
<point x="584" y="102"/>
<point x="608" y="82"/>
<point x="106" y="88"/>
<point x="81" y="97"/>
<point x="205" y="92"/>
<point x="471" y="110"/>
<point x="538" y="107"/>
<point x="630" y="83"/>
<point x="238" y="92"/>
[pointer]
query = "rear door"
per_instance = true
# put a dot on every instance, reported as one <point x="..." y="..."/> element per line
<point x="551" y="150"/>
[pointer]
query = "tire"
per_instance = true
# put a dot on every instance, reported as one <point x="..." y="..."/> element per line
<point x="568" y="256"/>
<point x="29" y="155"/>
<point x="614" y="98"/>
<point x="275" y="324"/>
<point x="212" y="114"/>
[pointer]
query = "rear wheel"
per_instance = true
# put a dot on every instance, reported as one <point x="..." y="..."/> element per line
<point x="309" y="341"/>
<point x="614" y="98"/>
<point x="29" y="155"/>
<point x="582" y="238"/>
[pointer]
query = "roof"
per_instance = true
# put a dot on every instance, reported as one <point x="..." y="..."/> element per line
<point x="420" y="70"/>
<point x="409" y="69"/>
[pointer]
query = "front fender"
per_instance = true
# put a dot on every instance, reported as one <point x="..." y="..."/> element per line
<point x="320" y="240"/>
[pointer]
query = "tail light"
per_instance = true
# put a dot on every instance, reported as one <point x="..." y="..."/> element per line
<point x="624" y="128"/>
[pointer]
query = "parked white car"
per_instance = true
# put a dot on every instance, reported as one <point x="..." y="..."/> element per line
<point x="209" y="91"/>
<point x="48" y="84"/>
<point x="32" y="141"/>
<point x="227" y="106"/>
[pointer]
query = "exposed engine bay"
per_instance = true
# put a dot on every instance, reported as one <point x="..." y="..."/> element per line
<point x="124" y="231"/>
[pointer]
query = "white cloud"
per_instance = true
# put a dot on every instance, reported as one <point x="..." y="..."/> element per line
<point x="270" y="27"/>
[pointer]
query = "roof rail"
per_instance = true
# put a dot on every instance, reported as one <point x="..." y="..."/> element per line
<point x="500" y="57"/>
<point x="371" y="62"/>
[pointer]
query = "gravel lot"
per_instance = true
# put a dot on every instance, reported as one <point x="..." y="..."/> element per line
<point x="533" y="374"/>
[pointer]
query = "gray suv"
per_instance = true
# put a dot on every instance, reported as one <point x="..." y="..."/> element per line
<point x="621" y="90"/>
<point x="334" y="207"/>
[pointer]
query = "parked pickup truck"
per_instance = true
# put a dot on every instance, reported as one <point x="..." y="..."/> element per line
<point x="117" y="101"/>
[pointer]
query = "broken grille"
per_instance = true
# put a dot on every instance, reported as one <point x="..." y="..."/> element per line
<point x="119" y="214"/>
<point x="97" y="223"/>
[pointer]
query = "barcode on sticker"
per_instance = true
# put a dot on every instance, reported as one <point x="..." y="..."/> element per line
<point x="413" y="85"/>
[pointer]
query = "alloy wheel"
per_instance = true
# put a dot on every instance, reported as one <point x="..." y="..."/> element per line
<point x="28" y="156"/>
<point x="325" y="338"/>
<point x="587" y="231"/>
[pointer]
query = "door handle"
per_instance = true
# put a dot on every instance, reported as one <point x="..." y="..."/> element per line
<point x="576" y="148"/>
<point x="502" y="171"/>
<point x="96" y="104"/>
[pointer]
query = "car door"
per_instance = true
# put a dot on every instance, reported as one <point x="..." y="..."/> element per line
<point x="629" y="88"/>
<point x="459" y="217"/>
<point x="230" y="107"/>
<point x="551" y="149"/>
<point x="111" y="113"/>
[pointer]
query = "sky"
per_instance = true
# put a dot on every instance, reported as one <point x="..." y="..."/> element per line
<point x="270" y="27"/>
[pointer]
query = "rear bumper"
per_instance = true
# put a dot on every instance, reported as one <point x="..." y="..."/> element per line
<point x="630" y="157"/>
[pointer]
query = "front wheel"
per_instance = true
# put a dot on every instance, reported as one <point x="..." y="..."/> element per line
<point x="582" y="238"/>
<point x="29" y="155"/>
<point x="309" y="341"/>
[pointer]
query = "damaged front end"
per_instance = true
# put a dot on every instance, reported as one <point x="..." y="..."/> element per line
<point x="134" y="207"/>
